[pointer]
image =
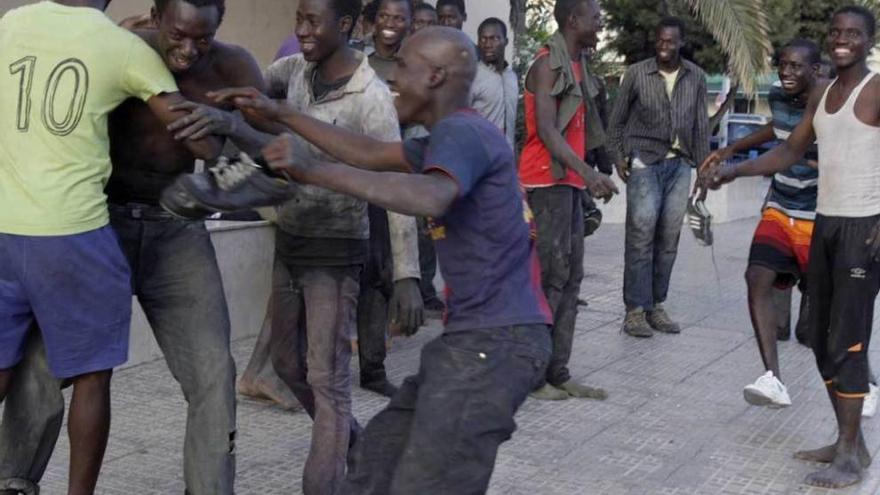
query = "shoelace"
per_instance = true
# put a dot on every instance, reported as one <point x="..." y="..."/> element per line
<point x="230" y="175"/>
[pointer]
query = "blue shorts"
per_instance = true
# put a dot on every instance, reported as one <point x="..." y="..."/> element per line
<point x="77" y="289"/>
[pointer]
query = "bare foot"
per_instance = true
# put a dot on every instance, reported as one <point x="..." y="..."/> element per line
<point x="846" y="470"/>
<point x="262" y="390"/>
<point x="826" y="454"/>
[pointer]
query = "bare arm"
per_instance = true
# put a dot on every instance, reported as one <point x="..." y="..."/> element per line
<point x="409" y="194"/>
<point x="540" y="82"/>
<point x="238" y="69"/>
<point x="776" y="160"/>
<point x="346" y="146"/>
<point x="763" y="135"/>
<point x="162" y="106"/>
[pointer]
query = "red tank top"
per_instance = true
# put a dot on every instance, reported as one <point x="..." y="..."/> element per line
<point x="535" y="159"/>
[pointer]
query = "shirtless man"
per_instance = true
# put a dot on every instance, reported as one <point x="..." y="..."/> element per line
<point x="174" y="270"/>
<point x="843" y="116"/>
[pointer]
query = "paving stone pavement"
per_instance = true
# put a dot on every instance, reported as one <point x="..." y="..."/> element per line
<point x="675" y="423"/>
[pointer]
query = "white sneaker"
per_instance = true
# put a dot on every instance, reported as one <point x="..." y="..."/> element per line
<point x="767" y="391"/>
<point x="869" y="407"/>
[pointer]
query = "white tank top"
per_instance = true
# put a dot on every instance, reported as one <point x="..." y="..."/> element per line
<point x="849" y="173"/>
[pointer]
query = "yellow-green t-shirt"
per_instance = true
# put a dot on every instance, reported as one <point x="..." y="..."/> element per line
<point x="669" y="78"/>
<point x="62" y="71"/>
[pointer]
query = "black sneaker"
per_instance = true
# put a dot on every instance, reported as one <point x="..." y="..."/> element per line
<point x="592" y="221"/>
<point x="700" y="220"/>
<point x="227" y="187"/>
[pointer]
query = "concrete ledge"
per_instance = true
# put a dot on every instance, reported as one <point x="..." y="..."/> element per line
<point x="244" y="253"/>
<point x="741" y="199"/>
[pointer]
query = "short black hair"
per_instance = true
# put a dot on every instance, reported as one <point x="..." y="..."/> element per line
<point x="863" y="12"/>
<point x="493" y="21"/>
<point x="161" y="5"/>
<point x="459" y="4"/>
<point x="563" y="9"/>
<point x="814" y="54"/>
<point x="672" y="22"/>
<point x="424" y="6"/>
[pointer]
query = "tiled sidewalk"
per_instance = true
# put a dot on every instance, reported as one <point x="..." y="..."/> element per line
<point x="675" y="423"/>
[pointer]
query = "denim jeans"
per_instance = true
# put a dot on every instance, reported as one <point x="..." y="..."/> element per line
<point x="312" y="323"/>
<point x="559" y="217"/>
<point x="177" y="282"/>
<point x="441" y="432"/>
<point x="656" y="202"/>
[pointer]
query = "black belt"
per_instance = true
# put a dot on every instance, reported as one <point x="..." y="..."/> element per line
<point x="141" y="211"/>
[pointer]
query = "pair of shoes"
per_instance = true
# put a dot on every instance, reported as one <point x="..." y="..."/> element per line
<point x="869" y="406"/>
<point x="636" y="325"/>
<point x="767" y="391"/>
<point x="227" y="187"/>
<point x="581" y="391"/>
<point x="660" y="321"/>
<point x="549" y="392"/>
<point x="381" y="387"/>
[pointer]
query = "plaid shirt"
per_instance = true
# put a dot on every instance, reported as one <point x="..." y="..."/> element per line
<point x="645" y="122"/>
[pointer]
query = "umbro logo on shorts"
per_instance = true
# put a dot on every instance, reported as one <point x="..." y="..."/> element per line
<point x="857" y="273"/>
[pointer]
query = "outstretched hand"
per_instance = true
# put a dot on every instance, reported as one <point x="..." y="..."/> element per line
<point x="714" y="172"/>
<point x="250" y="101"/>
<point x="281" y="156"/>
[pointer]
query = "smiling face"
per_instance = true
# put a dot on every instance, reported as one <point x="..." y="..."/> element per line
<point x="393" y="22"/>
<point x="848" y="40"/>
<point x="185" y="33"/>
<point x="410" y="82"/>
<point x="796" y="71"/>
<point x="668" y="44"/>
<point x="319" y="31"/>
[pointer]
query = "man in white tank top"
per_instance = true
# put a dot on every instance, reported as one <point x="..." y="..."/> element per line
<point x="844" y="272"/>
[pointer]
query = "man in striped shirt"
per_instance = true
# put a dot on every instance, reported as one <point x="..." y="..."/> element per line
<point x="780" y="249"/>
<point x="658" y="130"/>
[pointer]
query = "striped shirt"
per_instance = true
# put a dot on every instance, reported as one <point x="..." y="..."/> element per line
<point x="794" y="190"/>
<point x="646" y="122"/>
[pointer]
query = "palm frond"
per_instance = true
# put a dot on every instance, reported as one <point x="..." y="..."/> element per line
<point x="740" y="27"/>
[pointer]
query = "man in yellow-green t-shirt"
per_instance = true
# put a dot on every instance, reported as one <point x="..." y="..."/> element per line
<point x="64" y="66"/>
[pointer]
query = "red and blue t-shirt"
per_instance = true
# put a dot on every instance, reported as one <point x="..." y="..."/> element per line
<point x="486" y="240"/>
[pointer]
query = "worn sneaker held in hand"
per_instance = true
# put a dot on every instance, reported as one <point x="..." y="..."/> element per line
<point x="700" y="220"/>
<point x="227" y="187"/>
<point x="767" y="391"/>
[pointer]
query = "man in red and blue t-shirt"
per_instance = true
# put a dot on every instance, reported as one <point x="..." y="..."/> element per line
<point x="552" y="169"/>
<point x="496" y="345"/>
